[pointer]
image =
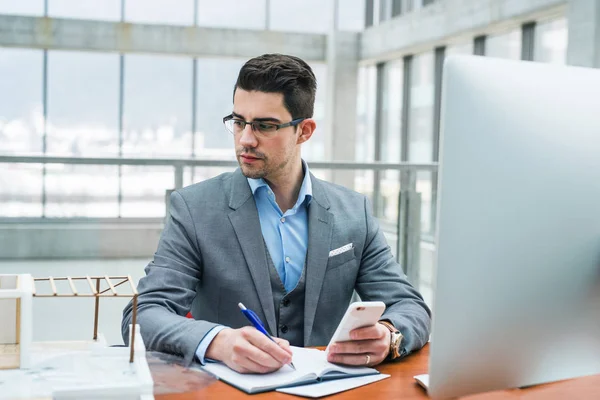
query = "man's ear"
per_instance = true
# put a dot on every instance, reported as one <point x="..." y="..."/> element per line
<point x="307" y="128"/>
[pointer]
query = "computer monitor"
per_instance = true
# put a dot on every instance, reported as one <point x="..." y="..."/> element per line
<point x="517" y="292"/>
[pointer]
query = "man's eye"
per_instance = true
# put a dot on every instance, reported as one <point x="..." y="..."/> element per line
<point x="238" y="122"/>
<point x="266" y="127"/>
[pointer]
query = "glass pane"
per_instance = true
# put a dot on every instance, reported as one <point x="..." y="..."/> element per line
<point x="365" y="119"/>
<point x="157" y="106"/>
<point x="465" y="48"/>
<point x="315" y="149"/>
<point x="216" y="79"/>
<point x="102" y="10"/>
<point x="391" y="133"/>
<point x="420" y="132"/>
<point x="246" y="14"/>
<point x="20" y="190"/>
<point x="144" y="190"/>
<point x="351" y="15"/>
<point x="82" y="190"/>
<point x="21" y="113"/>
<point x="551" y="41"/>
<point x="83" y="104"/>
<point x="171" y="12"/>
<point x="22" y="7"/>
<point x="294" y="15"/>
<point x="506" y="45"/>
<point x="424" y="188"/>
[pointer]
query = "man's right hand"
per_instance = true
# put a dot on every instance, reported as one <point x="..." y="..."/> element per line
<point x="246" y="350"/>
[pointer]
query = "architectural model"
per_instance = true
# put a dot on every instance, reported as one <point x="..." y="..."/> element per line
<point x="67" y="370"/>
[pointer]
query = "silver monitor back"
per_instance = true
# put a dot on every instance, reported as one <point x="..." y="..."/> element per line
<point x="517" y="296"/>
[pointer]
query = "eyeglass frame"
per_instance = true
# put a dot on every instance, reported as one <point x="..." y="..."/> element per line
<point x="253" y="124"/>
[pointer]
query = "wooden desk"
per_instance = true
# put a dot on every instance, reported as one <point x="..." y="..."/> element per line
<point x="401" y="385"/>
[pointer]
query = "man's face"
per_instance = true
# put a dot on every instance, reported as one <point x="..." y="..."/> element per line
<point x="264" y="156"/>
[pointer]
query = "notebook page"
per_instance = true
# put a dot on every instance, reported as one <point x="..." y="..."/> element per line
<point x="252" y="382"/>
<point x="327" y="388"/>
<point x="304" y="360"/>
<point x="313" y="360"/>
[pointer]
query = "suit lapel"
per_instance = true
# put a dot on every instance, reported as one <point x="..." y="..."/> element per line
<point x="320" y="227"/>
<point x="246" y="225"/>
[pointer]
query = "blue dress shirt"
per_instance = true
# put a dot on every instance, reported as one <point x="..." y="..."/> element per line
<point x="286" y="236"/>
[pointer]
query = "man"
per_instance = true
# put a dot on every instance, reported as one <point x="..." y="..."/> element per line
<point x="270" y="235"/>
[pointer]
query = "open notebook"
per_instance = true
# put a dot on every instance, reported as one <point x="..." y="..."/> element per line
<point x="311" y="367"/>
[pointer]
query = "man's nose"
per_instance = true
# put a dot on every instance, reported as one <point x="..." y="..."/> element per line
<point x="248" y="138"/>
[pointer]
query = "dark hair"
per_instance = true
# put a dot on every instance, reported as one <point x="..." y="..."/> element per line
<point x="279" y="73"/>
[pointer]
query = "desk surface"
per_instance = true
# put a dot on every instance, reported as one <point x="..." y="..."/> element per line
<point x="401" y="385"/>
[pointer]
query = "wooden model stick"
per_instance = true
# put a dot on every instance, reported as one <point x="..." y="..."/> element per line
<point x="89" y="280"/>
<point x="72" y="286"/>
<point x="133" y="322"/>
<point x="96" y="309"/>
<point x="112" y="288"/>
<point x="53" y="286"/>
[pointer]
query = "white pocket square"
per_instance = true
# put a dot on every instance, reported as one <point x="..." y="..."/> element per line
<point x="341" y="250"/>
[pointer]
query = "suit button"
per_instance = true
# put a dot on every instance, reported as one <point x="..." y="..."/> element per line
<point x="286" y="302"/>
<point x="284" y="328"/>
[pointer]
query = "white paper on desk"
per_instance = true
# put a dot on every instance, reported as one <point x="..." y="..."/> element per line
<point x="422" y="380"/>
<point x="330" y="387"/>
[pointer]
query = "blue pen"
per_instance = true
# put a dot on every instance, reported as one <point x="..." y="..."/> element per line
<point x="255" y="321"/>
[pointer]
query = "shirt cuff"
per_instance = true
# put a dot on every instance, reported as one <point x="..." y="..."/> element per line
<point x="206" y="341"/>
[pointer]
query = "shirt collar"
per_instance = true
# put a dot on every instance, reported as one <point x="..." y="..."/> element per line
<point x="305" y="193"/>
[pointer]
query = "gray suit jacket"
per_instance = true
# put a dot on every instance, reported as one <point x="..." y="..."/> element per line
<point x="211" y="255"/>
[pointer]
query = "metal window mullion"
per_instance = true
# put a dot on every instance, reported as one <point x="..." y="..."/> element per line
<point x="377" y="199"/>
<point x="267" y="15"/>
<point x="45" y="123"/>
<point x="527" y="41"/>
<point x="404" y="177"/>
<point x="195" y="12"/>
<point x="121" y="111"/>
<point x="440" y="55"/>
<point x="407" y="80"/>
<point x="194" y="111"/>
<point x="396" y="8"/>
<point x="479" y="45"/>
<point x="369" y="10"/>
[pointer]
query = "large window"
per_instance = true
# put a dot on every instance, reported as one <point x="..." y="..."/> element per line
<point x="463" y="48"/>
<point x="351" y="15"/>
<point x="216" y="79"/>
<point x="83" y="119"/>
<point x="157" y="106"/>
<point x="22" y="7"/>
<point x="83" y="104"/>
<point x="551" y="41"/>
<point x="311" y="16"/>
<point x="365" y="127"/>
<point x="21" y="110"/>
<point x="420" y="132"/>
<point x="316" y="149"/>
<point x="172" y="12"/>
<point x="99" y="10"/>
<point x="246" y="14"/>
<point x="421" y="128"/>
<point x="505" y="45"/>
<point x="21" y="130"/>
<point x="391" y="133"/>
<point x="157" y="123"/>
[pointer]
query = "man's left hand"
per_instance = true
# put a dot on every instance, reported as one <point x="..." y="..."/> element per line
<point x="372" y="341"/>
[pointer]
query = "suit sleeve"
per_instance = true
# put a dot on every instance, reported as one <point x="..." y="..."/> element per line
<point x="381" y="278"/>
<point x="169" y="287"/>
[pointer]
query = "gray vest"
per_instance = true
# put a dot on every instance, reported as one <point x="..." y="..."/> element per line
<point x="289" y="307"/>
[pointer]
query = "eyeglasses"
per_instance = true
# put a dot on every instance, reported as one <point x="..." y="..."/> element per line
<point x="237" y="125"/>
